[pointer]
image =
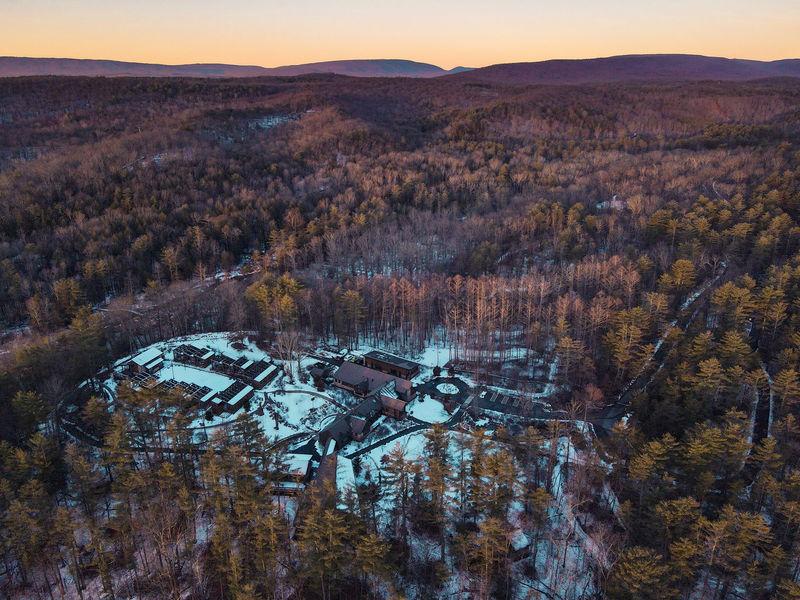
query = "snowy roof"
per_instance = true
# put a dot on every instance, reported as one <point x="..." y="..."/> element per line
<point x="242" y="393"/>
<point x="331" y="447"/>
<point x="519" y="540"/>
<point x="147" y="356"/>
<point x="391" y="359"/>
<point x="297" y="464"/>
<point x="261" y="376"/>
<point x="208" y="396"/>
<point x="201" y="377"/>
<point x="154" y="363"/>
<point x="353" y="374"/>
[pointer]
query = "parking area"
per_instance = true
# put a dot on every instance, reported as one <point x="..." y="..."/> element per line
<point x="493" y="400"/>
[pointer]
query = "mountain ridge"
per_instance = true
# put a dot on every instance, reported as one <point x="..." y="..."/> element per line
<point x="11" y="66"/>
<point x="621" y="68"/>
<point x="631" y="67"/>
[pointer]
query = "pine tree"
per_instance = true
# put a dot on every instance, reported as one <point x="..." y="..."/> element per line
<point x="640" y="574"/>
<point x="436" y="471"/>
<point x="370" y="556"/>
<point x="399" y="473"/>
<point x="321" y="541"/>
<point x="489" y="548"/>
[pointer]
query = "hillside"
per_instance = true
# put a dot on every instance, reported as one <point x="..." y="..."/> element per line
<point x="11" y="66"/>
<point x="653" y="67"/>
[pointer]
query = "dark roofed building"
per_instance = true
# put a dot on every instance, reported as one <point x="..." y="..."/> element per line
<point x="391" y="364"/>
<point x="393" y="407"/>
<point x="359" y="379"/>
<point x="369" y="409"/>
<point x="359" y="428"/>
<point x="363" y="381"/>
<point x="338" y="431"/>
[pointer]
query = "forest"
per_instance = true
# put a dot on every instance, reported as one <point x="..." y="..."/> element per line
<point x="645" y="237"/>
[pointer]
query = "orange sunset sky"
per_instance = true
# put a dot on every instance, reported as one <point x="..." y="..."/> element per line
<point x="444" y="32"/>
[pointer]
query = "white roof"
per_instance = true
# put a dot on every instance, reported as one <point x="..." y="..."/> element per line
<point x="147" y="356"/>
<point x="331" y="447"/>
<point x="158" y="360"/>
<point x="207" y="396"/>
<point x="208" y="354"/>
<point x="247" y="389"/>
<point x="297" y="464"/>
<point x="261" y="376"/>
<point x="247" y="364"/>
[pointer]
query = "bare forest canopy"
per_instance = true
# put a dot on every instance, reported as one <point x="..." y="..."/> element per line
<point x="643" y="235"/>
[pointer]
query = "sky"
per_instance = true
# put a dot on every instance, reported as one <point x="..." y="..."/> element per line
<point x="444" y="32"/>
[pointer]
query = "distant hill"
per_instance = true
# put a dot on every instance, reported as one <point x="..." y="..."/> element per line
<point x="367" y="68"/>
<point x="18" y="66"/>
<point x="643" y="67"/>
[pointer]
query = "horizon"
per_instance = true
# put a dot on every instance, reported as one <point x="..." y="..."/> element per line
<point x="449" y="34"/>
<point x="374" y="59"/>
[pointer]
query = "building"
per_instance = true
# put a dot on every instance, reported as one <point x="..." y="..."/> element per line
<point x="391" y="404"/>
<point x="391" y="364"/>
<point x="260" y="373"/>
<point x="364" y="381"/>
<point x="363" y="416"/>
<point x="151" y="361"/>
<point x="292" y="475"/>
<point x="338" y="432"/>
<point x="295" y="467"/>
<point x="393" y="407"/>
<point x="355" y="425"/>
<point x="190" y="354"/>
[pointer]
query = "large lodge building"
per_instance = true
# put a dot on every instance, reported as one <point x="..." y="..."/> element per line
<point x="384" y="383"/>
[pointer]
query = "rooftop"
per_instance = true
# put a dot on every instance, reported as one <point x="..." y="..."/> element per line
<point x="353" y="374"/>
<point x="297" y="464"/>
<point x="391" y="359"/>
<point x="147" y="356"/>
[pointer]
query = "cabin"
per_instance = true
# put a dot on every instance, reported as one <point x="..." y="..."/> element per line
<point x="292" y="475"/>
<point x="189" y="354"/>
<point x="391" y="364"/>
<point x="355" y="425"/>
<point x="151" y="361"/>
<point x="295" y="467"/>
<point x="391" y="404"/>
<point x="260" y="373"/>
<point x="393" y="407"/>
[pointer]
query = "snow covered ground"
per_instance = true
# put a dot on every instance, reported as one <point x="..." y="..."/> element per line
<point x="427" y="409"/>
<point x="293" y="412"/>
